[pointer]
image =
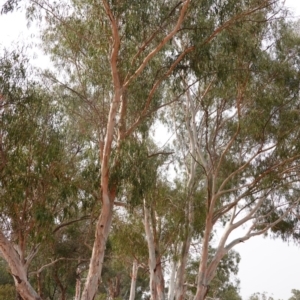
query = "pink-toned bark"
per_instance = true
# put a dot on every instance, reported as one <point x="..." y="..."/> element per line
<point x="119" y="103"/>
<point x="18" y="269"/>
<point x="96" y="262"/>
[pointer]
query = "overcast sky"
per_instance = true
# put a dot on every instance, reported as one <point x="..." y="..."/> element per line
<point x="267" y="265"/>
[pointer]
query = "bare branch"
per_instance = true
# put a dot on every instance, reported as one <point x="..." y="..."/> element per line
<point x="54" y="262"/>
<point x="70" y="222"/>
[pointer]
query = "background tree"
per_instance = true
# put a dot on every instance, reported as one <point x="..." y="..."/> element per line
<point x="261" y="296"/>
<point x="39" y="182"/>
<point x="295" y="294"/>
<point x="7" y="287"/>
<point x="240" y="158"/>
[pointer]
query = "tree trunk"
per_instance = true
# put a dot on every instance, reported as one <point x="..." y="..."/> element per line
<point x="78" y="284"/>
<point x="171" y="292"/>
<point x="18" y="270"/>
<point x="159" y="279"/>
<point x="39" y="284"/>
<point x="96" y="262"/>
<point x="135" y="268"/>
<point x="60" y="285"/>
<point x="203" y="281"/>
<point x="114" y="287"/>
<point x="180" y="276"/>
<point x="157" y="286"/>
<point x="202" y="292"/>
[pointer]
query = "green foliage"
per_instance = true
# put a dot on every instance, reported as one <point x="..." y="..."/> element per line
<point x="5" y="277"/>
<point x="260" y="296"/>
<point x="69" y="247"/>
<point x="137" y="170"/>
<point x="224" y="285"/>
<point x="296" y="295"/>
<point x="35" y="167"/>
<point x="7" y="292"/>
<point x="7" y="287"/>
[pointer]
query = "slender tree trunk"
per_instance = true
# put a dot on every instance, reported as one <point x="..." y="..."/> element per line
<point x="78" y="284"/>
<point x="39" y="284"/>
<point x="151" y="249"/>
<point x="60" y="285"/>
<point x="18" y="270"/>
<point x="180" y="276"/>
<point x="171" y="292"/>
<point x="114" y="287"/>
<point x="159" y="278"/>
<point x="157" y="286"/>
<point x="203" y="282"/>
<point x="96" y="262"/>
<point x="134" y="273"/>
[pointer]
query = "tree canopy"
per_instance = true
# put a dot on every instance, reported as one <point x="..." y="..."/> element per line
<point x="91" y="206"/>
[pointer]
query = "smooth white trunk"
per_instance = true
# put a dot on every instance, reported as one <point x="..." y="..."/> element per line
<point x="155" y="268"/>
<point x="171" y="292"/>
<point x="203" y="282"/>
<point x="134" y="273"/>
<point x="180" y="275"/>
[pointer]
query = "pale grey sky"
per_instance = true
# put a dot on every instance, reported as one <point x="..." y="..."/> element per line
<point x="266" y="265"/>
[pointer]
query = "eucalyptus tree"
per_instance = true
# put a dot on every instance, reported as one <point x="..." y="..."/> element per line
<point x="39" y="175"/>
<point x="240" y="124"/>
<point x="225" y="285"/>
<point x="59" y="265"/>
<point x="261" y="296"/>
<point x="108" y="52"/>
<point x="296" y="294"/>
<point x="118" y="57"/>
